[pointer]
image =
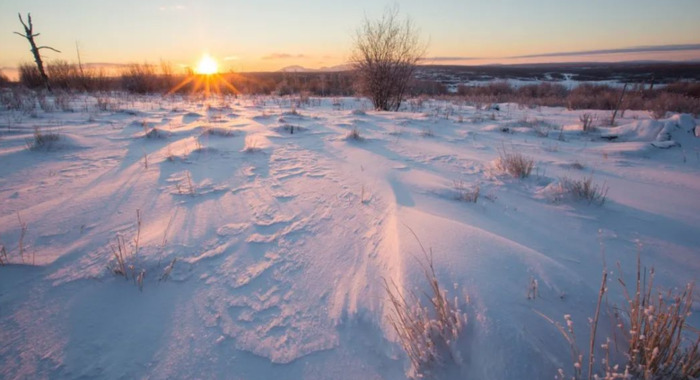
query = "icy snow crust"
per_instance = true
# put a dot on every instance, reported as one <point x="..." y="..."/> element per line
<point x="284" y="229"/>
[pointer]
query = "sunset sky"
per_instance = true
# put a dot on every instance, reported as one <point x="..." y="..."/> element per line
<point x="271" y="34"/>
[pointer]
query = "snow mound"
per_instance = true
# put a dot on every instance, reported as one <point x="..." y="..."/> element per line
<point x="661" y="133"/>
<point x="62" y="141"/>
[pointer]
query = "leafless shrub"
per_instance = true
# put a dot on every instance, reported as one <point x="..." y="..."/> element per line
<point x="29" y="76"/>
<point x="589" y="96"/>
<point x="63" y="100"/>
<point x="660" y="105"/>
<point x="103" y="103"/>
<point x="515" y="164"/>
<point x="141" y="79"/>
<point x="586" y="121"/>
<point x="385" y="54"/>
<point x="42" y="140"/>
<point x="427" y="332"/>
<point x="19" y="99"/>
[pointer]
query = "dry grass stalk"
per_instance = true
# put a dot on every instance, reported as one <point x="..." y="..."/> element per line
<point x="427" y="333"/>
<point x="168" y="270"/>
<point x="465" y="194"/>
<point x="124" y="256"/>
<point x="22" y="234"/>
<point x="192" y="189"/>
<point x="655" y="331"/>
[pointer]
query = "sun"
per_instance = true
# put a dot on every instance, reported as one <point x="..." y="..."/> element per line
<point x="207" y="66"/>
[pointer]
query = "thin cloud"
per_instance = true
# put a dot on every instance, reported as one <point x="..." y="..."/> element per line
<point x="178" y="7"/>
<point x="428" y="59"/>
<point x="283" y="56"/>
<point x="636" y="49"/>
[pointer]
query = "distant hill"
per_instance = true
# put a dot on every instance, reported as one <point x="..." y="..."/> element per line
<point x="302" y="69"/>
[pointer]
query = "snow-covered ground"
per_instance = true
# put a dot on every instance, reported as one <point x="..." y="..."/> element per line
<point x="266" y="234"/>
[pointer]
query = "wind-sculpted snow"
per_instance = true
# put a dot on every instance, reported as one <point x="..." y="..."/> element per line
<point x="264" y="234"/>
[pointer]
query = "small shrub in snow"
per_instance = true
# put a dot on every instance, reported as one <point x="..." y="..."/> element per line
<point x="42" y="140"/>
<point x="354" y="134"/>
<point x="583" y="189"/>
<point x="427" y="332"/>
<point x="466" y="194"/>
<point x="515" y="164"/>
<point x="586" y="122"/>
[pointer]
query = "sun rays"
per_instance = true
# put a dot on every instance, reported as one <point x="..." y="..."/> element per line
<point x="205" y="78"/>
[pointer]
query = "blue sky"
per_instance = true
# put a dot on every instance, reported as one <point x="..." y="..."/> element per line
<point x="270" y="34"/>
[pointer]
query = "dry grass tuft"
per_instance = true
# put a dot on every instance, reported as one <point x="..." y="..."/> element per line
<point x="654" y="328"/>
<point x="427" y="332"/>
<point x="466" y="194"/>
<point x="42" y="140"/>
<point x="586" y="122"/>
<point x="354" y="134"/>
<point x="125" y="256"/>
<point x="584" y="189"/>
<point x="515" y="164"/>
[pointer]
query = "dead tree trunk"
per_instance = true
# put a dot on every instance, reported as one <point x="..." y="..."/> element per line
<point x="29" y="35"/>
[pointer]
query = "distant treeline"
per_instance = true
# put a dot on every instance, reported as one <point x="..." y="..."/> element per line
<point x="147" y="79"/>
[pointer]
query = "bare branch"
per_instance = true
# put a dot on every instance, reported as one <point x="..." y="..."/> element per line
<point x="48" y="47"/>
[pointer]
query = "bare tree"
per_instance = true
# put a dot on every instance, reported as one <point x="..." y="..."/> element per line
<point x="385" y="54"/>
<point x="29" y="35"/>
